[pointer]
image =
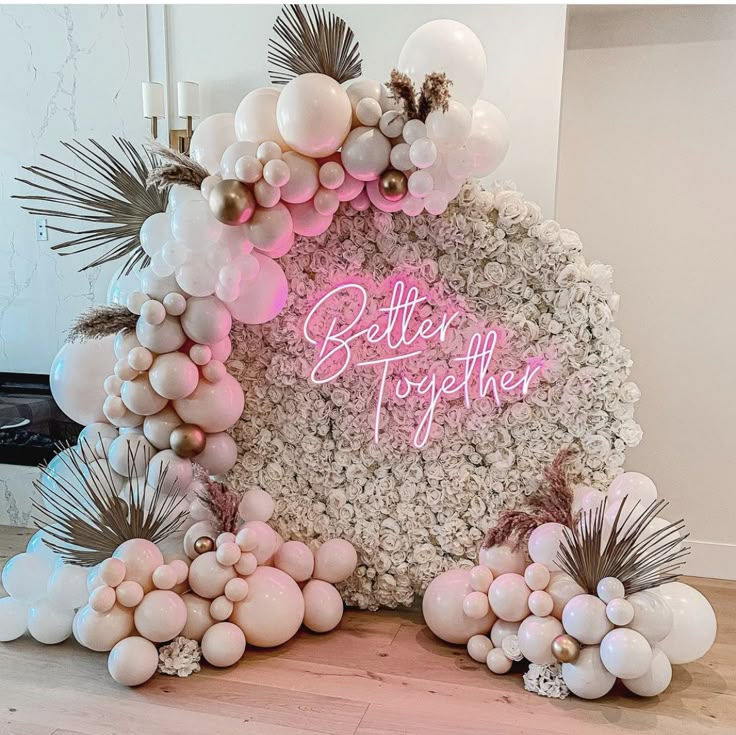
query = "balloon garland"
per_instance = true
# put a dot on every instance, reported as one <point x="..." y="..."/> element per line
<point x="584" y="604"/>
<point x="157" y="399"/>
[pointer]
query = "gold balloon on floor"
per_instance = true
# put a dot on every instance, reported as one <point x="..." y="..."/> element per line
<point x="393" y="185"/>
<point x="565" y="649"/>
<point x="187" y="440"/>
<point x="232" y="202"/>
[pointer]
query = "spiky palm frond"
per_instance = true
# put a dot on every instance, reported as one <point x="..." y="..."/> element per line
<point x="85" y="516"/>
<point x="311" y="40"/>
<point x="640" y="560"/>
<point x="109" y="192"/>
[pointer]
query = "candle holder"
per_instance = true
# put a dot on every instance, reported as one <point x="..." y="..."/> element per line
<point x="180" y="139"/>
<point x="154" y="127"/>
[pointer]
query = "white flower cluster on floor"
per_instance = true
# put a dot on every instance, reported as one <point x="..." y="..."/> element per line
<point x="180" y="658"/>
<point x="415" y="513"/>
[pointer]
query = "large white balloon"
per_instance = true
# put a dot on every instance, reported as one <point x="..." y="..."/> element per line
<point x="48" y="623"/>
<point x="211" y="138"/>
<point x="694" y="623"/>
<point x="264" y="297"/>
<point x="25" y="577"/>
<point x="255" y="118"/>
<point x="587" y="677"/>
<point x="632" y="485"/>
<point x="77" y="376"/>
<point x="488" y="142"/>
<point x="314" y="114"/>
<point x="450" y="47"/>
<point x="12" y="619"/>
<point x="655" y="680"/>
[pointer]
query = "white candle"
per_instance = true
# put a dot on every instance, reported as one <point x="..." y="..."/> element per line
<point x="188" y="99"/>
<point x="153" y="99"/>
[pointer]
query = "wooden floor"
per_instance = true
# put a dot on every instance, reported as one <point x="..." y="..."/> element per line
<point x="378" y="674"/>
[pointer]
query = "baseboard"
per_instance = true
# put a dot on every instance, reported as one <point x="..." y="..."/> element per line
<point x="708" y="559"/>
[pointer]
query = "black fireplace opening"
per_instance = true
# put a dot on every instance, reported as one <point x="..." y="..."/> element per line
<point x="31" y="424"/>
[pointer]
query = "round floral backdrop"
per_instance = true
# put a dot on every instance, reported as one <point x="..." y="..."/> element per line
<point x="413" y="513"/>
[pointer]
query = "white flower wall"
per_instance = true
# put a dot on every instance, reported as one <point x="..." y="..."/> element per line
<point x="414" y="513"/>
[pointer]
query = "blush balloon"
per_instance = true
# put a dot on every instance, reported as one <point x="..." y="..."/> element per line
<point x="264" y="298"/>
<point x="502" y="559"/>
<point x="335" y="560"/>
<point x="207" y="577"/>
<point x="211" y="139"/>
<point x="132" y="661"/>
<point x="296" y="559"/>
<point x="213" y="407"/>
<point x="323" y="606"/>
<point x="160" y="616"/>
<point x="223" y="644"/>
<point x="308" y="221"/>
<point x="219" y="455"/>
<point x="509" y="597"/>
<point x="101" y="631"/>
<point x="173" y="375"/>
<point x="141" y="557"/>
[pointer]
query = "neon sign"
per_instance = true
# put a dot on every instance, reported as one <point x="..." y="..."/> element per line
<point x="408" y="339"/>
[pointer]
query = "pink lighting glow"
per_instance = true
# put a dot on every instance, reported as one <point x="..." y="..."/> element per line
<point x="417" y="342"/>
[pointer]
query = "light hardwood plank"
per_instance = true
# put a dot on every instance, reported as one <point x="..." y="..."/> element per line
<point x="380" y="673"/>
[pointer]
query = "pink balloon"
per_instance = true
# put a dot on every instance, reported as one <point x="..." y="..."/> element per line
<point x="335" y="560"/>
<point x="223" y="644"/>
<point x="296" y="559"/>
<point x="509" y="597"/>
<point x="273" y="610"/>
<point x="271" y="229"/>
<point x="199" y="619"/>
<point x="101" y="631"/>
<point x="207" y="577"/>
<point x="77" y="376"/>
<point x="140" y="557"/>
<point x="219" y="455"/>
<point x="323" y="606"/>
<point x="206" y="320"/>
<point x="307" y="220"/>
<point x="264" y="297"/>
<point x="213" y="406"/>
<point x="160" y="616"/>
<point x="442" y="607"/>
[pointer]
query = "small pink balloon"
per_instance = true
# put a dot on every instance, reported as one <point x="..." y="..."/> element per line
<point x="221" y="608"/>
<point x="296" y="559"/>
<point x="141" y="558"/>
<point x="273" y="610"/>
<point x="540" y="603"/>
<point x="181" y="570"/>
<point x="536" y="576"/>
<point x="271" y="229"/>
<point x="223" y="644"/>
<point x="228" y="553"/>
<point x="265" y="295"/>
<point x="502" y="559"/>
<point x="481" y="578"/>
<point x="335" y="560"/>
<point x="160" y="616"/>
<point x="236" y="589"/>
<point x="173" y="375"/>
<point x="247" y="564"/>
<point x="266" y="540"/>
<point x="206" y="320"/>
<point x="129" y="593"/>
<point x="323" y="606"/>
<point x="207" y="577"/>
<point x="509" y="597"/>
<point x="111" y="572"/>
<point x="475" y="605"/>
<point x="102" y="599"/>
<point x="164" y="577"/>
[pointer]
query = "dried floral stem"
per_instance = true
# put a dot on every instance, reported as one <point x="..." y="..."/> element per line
<point x="222" y="502"/>
<point x="552" y="503"/>
<point x="403" y="91"/>
<point x="177" y="169"/>
<point x="101" y="321"/>
<point x="109" y="192"/>
<point x="85" y="516"/>
<point x="435" y="95"/>
<point x="311" y="40"/>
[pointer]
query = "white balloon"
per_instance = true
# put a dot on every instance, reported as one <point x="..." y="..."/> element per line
<point x="366" y="153"/>
<point x="67" y="586"/>
<point x="535" y="638"/>
<point x="48" y="623"/>
<point x="26" y="576"/>
<point x="626" y="653"/>
<point x="178" y="471"/>
<point x="314" y="114"/>
<point x="13" y="615"/>
<point x="544" y="543"/>
<point x="121" y="286"/>
<point x="587" y="677"/>
<point x="130" y="451"/>
<point x="194" y="224"/>
<point x="449" y="129"/>
<point x="694" y="623"/>
<point x="233" y="153"/>
<point x="584" y="618"/>
<point x="155" y="231"/>
<point x="450" y="47"/>
<point x="255" y="118"/>
<point x="655" y="680"/>
<point x="632" y="485"/>
<point x="488" y="141"/>
<point x="211" y="139"/>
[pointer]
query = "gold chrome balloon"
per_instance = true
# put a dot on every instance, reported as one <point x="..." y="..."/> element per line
<point x="204" y="544"/>
<point x="393" y="185"/>
<point x="565" y="649"/>
<point x="232" y="202"/>
<point x="187" y="440"/>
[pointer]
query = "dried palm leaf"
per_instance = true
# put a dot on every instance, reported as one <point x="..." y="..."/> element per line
<point x="221" y="501"/>
<point x="107" y="191"/>
<point x="177" y="169"/>
<point x="639" y="559"/>
<point x="552" y="503"/>
<point x="311" y="40"/>
<point x="101" y="321"/>
<point x="87" y="520"/>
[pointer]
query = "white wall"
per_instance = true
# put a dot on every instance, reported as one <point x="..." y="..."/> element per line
<point x="65" y="72"/>
<point x="224" y="48"/>
<point x="646" y="175"/>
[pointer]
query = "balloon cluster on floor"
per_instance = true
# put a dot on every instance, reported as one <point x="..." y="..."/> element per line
<point x="220" y="590"/>
<point x="585" y="606"/>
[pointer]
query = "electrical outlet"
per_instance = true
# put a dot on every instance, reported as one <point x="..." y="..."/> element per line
<point x="42" y="233"/>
